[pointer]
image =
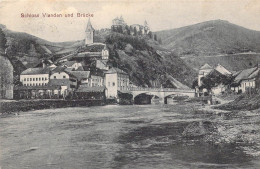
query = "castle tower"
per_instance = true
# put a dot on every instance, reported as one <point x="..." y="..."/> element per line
<point x="146" y="27"/>
<point x="89" y="33"/>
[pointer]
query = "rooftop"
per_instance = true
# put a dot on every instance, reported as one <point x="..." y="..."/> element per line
<point x="83" y="88"/>
<point x="80" y="74"/>
<point x="245" y="74"/>
<point x="68" y="63"/>
<point x="33" y="71"/>
<point x="206" y="66"/>
<point x="115" y="70"/>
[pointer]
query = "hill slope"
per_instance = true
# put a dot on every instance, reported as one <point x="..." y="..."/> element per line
<point x="210" y="38"/>
<point x="143" y="59"/>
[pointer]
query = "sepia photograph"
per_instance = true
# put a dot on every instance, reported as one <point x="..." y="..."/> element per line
<point x="129" y="84"/>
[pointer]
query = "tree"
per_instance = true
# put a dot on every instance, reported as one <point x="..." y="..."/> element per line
<point x="135" y="31"/>
<point x="160" y="41"/>
<point x="155" y="37"/>
<point x="2" y="40"/>
<point x="150" y="34"/>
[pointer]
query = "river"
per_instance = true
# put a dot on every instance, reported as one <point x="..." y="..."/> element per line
<point x="112" y="136"/>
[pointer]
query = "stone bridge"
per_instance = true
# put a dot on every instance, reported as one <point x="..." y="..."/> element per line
<point x="160" y="92"/>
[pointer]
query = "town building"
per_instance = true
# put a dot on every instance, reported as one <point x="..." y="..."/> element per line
<point x="203" y="71"/>
<point x="118" y="22"/>
<point x="6" y="78"/>
<point x="140" y="29"/>
<point x="116" y="80"/>
<point x="72" y="65"/>
<point x="66" y="81"/>
<point x="247" y="79"/>
<point x="219" y="72"/>
<point x="35" y="76"/>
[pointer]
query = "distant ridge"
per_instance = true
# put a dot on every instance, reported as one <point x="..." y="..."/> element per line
<point x="210" y="38"/>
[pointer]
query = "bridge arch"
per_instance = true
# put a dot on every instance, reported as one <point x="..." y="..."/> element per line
<point x="144" y="98"/>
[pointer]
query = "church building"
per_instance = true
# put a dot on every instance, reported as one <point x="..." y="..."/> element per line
<point x="89" y="34"/>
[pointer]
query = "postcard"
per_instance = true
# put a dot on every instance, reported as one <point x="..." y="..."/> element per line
<point x="141" y="84"/>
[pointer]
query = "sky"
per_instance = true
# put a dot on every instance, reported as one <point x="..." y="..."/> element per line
<point x="160" y="15"/>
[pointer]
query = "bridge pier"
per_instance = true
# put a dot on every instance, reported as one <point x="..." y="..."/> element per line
<point x="162" y="93"/>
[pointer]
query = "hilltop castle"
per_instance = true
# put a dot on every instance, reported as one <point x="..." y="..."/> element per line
<point x="119" y="25"/>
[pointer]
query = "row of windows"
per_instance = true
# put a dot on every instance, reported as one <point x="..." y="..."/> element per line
<point x="35" y="79"/>
<point x="248" y="84"/>
<point x="98" y="80"/>
<point x="36" y="84"/>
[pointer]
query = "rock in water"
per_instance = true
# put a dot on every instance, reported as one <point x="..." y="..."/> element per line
<point x="199" y="128"/>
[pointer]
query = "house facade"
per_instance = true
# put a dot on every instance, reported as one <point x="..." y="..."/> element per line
<point x="35" y="77"/>
<point x="66" y="81"/>
<point x="247" y="79"/>
<point x="116" y="80"/>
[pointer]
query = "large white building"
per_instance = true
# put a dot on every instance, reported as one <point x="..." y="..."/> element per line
<point x="35" y="77"/>
<point x="116" y="80"/>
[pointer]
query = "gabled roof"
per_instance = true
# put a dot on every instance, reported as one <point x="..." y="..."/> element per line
<point x="206" y="66"/>
<point x="80" y="74"/>
<point x="58" y="69"/>
<point x="69" y="63"/>
<point x="245" y="74"/>
<point x="221" y="69"/>
<point x="115" y="70"/>
<point x="34" y="71"/>
<point x="176" y="83"/>
<point x="254" y="74"/>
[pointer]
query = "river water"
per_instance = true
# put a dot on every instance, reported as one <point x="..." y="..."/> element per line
<point x="112" y="136"/>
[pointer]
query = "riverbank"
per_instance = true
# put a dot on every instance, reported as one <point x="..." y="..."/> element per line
<point x="26" y="105"/>
<point x="243" y="102"/>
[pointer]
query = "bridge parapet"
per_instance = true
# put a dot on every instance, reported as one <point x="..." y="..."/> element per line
<point x="159" y="89"/>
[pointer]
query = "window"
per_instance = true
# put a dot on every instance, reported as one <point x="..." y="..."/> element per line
<point x="33" y="79"/>
<point x="113" y="84"/>
<point x="45" y="78"/>
<point x="54" y="77"/>
<point x="39" y="79"/>
<point x="36" y="79"/>
<point x="30" y="79"/>
<point x="24" y="79"/>
<point x="64" y="77"/>
<point x="42" y="78"/>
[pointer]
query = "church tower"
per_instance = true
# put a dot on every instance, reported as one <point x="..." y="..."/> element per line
<point x="89" y="33"/>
